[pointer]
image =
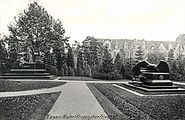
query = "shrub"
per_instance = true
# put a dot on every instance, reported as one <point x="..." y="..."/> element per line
<point x="62" y="72"/>
<point x="87" y="71"/>
<point x="71" y="71"/>
<point x="54" y="70"/>
<point x="75" y="71"/>
<point x="96" y="73"/>
<point x="66" y="69"/>
<point x="80" y="72"/>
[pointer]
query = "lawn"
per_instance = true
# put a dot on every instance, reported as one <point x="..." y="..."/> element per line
<point x="145" y="107"/>
<point x="8" y="86"/>
<point x="34" y="107"/>
<point x="110" y="109"/>
<point x="81" y="78"/>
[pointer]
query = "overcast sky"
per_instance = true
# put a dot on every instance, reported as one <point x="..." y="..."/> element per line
<point x="159" y="20"/>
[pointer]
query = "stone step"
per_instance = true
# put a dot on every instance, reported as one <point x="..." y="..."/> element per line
<point x="159" y="87"/>
<point x="158" y="83"/>
<point x="26" y="74"/>
<point x="30" y="65"/>
<point x="27" y="77"/>
<point x="28" y="70"/>
<point x="170" y="89"/>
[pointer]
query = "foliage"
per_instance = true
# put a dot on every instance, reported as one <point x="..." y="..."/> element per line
<point x="139" y="55"/>
<point x="71" y="71"/>
<point x="70" y="59"/>
<point x="75" y="71"/>
<point x="170" y="55"/>
<point x="87" y="70"/>
<point x="35" y="27"/>
<point x="60" y="60"/>
<point x="92" y="51"/>
<point x="62" y="72"/>
<point x="174" y="75"/>
<point x="66" y="69"/>
<point x="52" y="69"/>
<point x="129" y="64"/>
<point x="80" y="72"/>
<point x="118" y="62"/>
<point x="107" y="69"/>
<point x="107" y="64"/>
<point x="3" y="56"/>
<point x="155" y="57"/>
<point x="122" y="71"/>
<point x="80" y="60"/>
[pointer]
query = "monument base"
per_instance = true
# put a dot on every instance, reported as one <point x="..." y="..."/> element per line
<point x="28" y="71"/>
<point x="155" y="84"/>
<point x="147" y="88"/>
<point x="153" y="78"/>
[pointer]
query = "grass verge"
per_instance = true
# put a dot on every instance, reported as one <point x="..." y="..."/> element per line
<point x="9" y="86"/>
<point x="170" y="107"/>
<point x="77" y="78"/>
<point x="109" y="108"/>
<point x="131" y="111"/>
<point x="33" y="107"/>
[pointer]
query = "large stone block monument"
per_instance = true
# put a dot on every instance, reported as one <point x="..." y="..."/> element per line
<point x="151" y="77"/>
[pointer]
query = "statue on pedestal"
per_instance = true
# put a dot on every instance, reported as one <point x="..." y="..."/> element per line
<point x="30" y="54"/>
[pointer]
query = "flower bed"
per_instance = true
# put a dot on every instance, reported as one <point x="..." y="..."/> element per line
<point x="27" y="107"/>
<point x="7" y="86"/>
<point x="170" y="107"/>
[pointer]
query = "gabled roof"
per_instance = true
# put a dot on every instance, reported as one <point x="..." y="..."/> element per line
<point x="149" y="44"/>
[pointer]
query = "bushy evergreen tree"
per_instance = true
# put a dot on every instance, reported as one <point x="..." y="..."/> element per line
<point x="107" y="64"/>
<point x="87" y="70"/>
<point x="92" y="51"/>
<point x="122" y="71"/>
<point x="80" y="60"/>
<point x="70" y="59"/>
<point x="60" y="60"/>
<point x="62" y="72"/>
<point x="71" y="71"/>
<point x="80" y="72"/>
<point x="107" y="69"/>
<point x="155" y="57"/>
<point x="66" y="69"/>
<point x="118" y="62"/>
<point x="3" y="56"/>
<point x="139" y="55"/>
<point x="170" y="56"/>
<point x="36" y="28"/>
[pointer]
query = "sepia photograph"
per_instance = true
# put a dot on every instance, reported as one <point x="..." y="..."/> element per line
<point x="92" y="59"/>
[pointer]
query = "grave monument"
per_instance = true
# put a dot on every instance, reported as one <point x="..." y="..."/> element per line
<point x="150" y="77"/>
<point x="30" y="66"/>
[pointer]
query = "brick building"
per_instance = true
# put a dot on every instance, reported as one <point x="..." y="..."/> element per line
<point x="129" y="46"/>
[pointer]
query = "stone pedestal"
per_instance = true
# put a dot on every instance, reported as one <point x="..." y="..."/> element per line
<point x="154" y="78"/>
<point x="28" y="71"/>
